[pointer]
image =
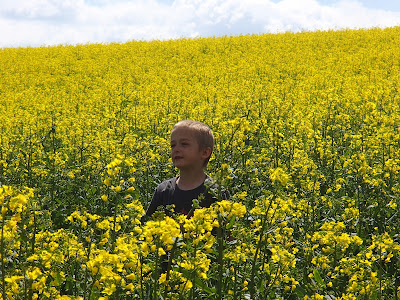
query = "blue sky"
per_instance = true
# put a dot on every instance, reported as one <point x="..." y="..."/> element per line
<point x="52" y="22"/>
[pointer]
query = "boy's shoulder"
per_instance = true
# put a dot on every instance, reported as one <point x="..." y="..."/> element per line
<point x="209" y="182"/>
<point x="171" y="183"/>
<point x="209" y="185"/>
<point x="167" y="184"/>
<point x="214" y="188"/>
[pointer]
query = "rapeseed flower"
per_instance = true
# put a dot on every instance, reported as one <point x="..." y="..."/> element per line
<point x="306" y="141"/>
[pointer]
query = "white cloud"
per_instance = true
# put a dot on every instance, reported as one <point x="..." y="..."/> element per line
<point x="50" y="22"/>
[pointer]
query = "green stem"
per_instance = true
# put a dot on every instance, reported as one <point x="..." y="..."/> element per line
<point x="220" y="258"/>
<point x="171" y="255"/>
<point x="193" y="274"/>
<point x="33" y="251"/>
<point x="3" y="282"/>
<point x="270" y="284"/>
<point x="253" y="267"/>
<point x="113" y="232"/>
<point x="156" y="273"/>
<point x="34" y="233"/>
<point x="87" y="274"/>
<point x="92" y="285"/>
<point x="141" y="277"/>
<point x="259" y="244"/>
<point x="234" y="282"/>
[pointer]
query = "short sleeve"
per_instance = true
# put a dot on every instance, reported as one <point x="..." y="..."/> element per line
<point x="156" y="201"/>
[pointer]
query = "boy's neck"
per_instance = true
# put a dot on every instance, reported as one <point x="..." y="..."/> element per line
<point x="190" y="179"/>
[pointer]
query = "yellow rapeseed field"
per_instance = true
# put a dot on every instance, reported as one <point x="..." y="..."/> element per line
<point x="307" y="144"/>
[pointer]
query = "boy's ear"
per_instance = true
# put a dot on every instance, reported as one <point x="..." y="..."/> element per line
<point x="206" y="152"/>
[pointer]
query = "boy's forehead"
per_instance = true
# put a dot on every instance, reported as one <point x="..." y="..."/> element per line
<point x="182" y="133"/>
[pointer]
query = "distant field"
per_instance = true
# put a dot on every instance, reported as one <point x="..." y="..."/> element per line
<point x="307" y="144"/>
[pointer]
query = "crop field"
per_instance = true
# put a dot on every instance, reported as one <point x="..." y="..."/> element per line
<point x="307" y="145"/>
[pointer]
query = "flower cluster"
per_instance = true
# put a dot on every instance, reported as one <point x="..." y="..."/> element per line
<point x="306" y="144"/>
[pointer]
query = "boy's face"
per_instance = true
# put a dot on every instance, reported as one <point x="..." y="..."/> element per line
<point x="185" y="150"/>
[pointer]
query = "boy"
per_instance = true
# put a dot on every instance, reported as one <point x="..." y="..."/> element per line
<point x="192" y="144"/>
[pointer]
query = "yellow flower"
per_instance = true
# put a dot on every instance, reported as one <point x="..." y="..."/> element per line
<point x="279" y="175"/>
<point x="107" y="181"/>
<point x="161" y="252"/>
<point x="187" y="285"/>
<point x="34" y="273"/>
<point x="13" y="280"/>
<point x="109" y="290"/>
<point x="4" y="210"/>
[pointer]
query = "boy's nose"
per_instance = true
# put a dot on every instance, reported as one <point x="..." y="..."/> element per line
<point x="175" y="149"/>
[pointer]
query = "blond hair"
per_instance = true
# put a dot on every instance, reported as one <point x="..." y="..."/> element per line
<point x="201" y="132"/>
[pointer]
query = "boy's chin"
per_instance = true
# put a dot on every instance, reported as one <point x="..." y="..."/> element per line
<point x="182" y="166"/>
<point x="178" y="165"/>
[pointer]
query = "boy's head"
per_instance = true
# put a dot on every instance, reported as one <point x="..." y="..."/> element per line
<point x="200" y="132"/>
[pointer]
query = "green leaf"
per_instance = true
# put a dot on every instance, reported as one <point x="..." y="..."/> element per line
<point x="374" y="295"/>
<point x="200" y="284"/>
<point x="231" y="222"/>
<point x="318" y="278"/>
<point x="300" y="291"/>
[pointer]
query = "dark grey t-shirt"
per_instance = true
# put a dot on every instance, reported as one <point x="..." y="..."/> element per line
<point x="168" y="193"/>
